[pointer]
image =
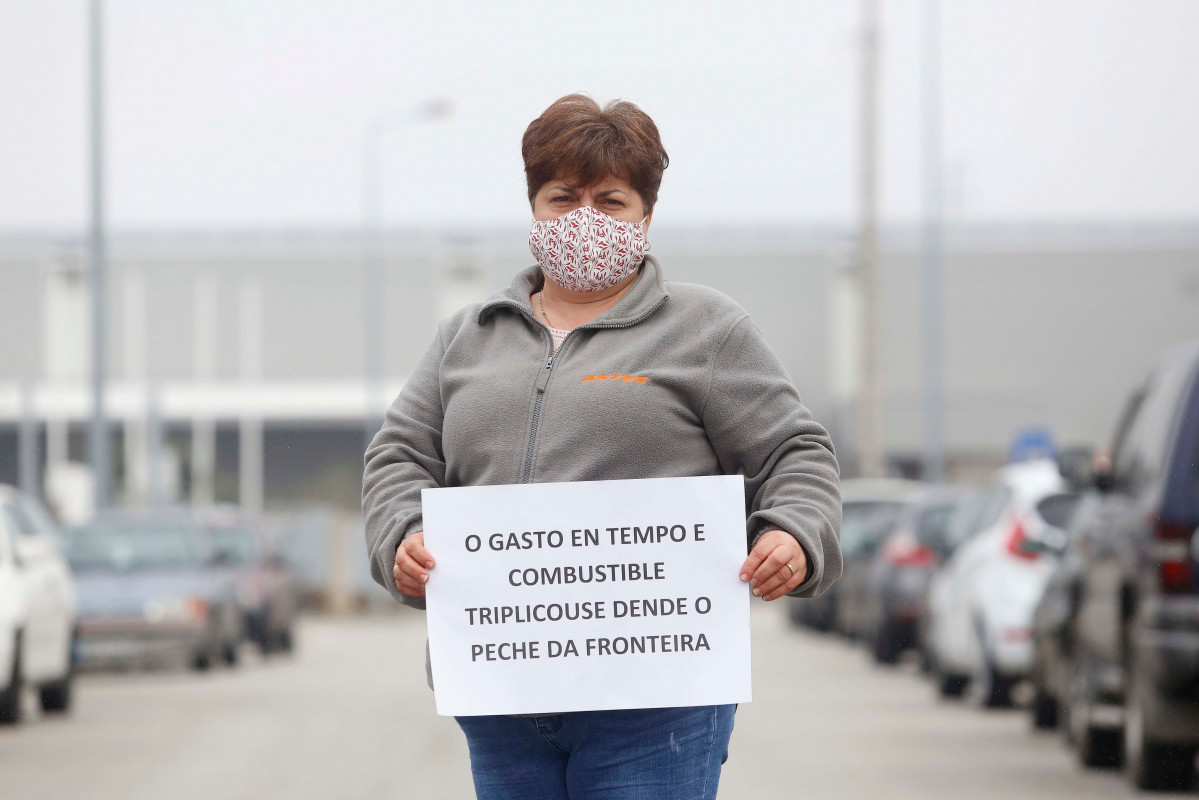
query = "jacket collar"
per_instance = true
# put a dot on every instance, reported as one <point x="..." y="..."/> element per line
<point x="645" y="296"/>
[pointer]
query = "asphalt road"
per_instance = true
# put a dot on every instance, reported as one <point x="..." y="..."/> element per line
<point x="350" y="717"/>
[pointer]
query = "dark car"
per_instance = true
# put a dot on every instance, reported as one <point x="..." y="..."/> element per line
<point x="1135" y="669"/>
<point x="1053" y="620"/>
<point x="902" y="569"/>
<point x="878" y="506"/>
<point x="868" y="508"/>
<point x="267" y="594"/>
<point x="148" y="591"/>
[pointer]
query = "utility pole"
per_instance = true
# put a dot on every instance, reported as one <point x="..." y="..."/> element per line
<point x="932" y="271"/>
<point x="203" y="449"/>
<point x="871" y="458"/>
<point x="27" y="458"/>
<point x="99" y="289"/>
<point x="251" y="438"/>
<point x="374" y="284"/>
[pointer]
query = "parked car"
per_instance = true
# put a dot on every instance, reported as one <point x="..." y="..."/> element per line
<point x="902" y="568"/>
<point x="1136" y="665"/>
<point x="981" y="603"/>
<point x="866" y="505"/>
<point x="267" y="593"/>
<point x="150" y="590"/>
<point x="1053" y="622"/>
<point x="37" y="608"/>
<point x="881" y="504"/>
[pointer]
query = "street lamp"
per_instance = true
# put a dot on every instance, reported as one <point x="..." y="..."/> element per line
<point x="373" y="284"/>
<point x="98" y="430"/>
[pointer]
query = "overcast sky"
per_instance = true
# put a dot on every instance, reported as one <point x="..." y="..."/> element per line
<point x="250" y="113"/>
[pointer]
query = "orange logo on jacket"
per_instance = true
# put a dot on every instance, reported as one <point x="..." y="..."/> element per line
<point x="630" y="378"/>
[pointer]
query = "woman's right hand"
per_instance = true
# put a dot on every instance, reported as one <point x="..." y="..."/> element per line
<point x="413" y="562"/>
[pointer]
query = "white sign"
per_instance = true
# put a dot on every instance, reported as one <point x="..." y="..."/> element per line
<point x="557" y="597"/>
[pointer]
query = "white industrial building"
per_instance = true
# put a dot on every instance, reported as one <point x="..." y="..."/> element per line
<point x="237" y="358"/>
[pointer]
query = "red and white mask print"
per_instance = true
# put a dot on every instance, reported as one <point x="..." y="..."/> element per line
<point x="587" y="250"/>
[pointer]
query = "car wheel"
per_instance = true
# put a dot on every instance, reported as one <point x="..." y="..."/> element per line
<point x="201" y="661"/>
<point x="1096" y="746"/>
<point x="885" y="646"/>
<point x="286" y="640"/>
<point x="229" y="654"/>
<point x="992" y="689"/>
<point x="1153" y="765"/>
<point x="10" y="698"/>
<point x="1044" y="710"/>
<point x="951" y="685"/>
<point x="56" y="696"/>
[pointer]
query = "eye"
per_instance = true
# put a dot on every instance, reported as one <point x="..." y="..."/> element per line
<point x="561" y="198"/>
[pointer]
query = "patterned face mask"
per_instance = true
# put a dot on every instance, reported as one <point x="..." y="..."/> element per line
<point x="587" y="250"/>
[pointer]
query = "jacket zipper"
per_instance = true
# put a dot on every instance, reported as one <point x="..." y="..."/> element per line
<point x="543" y="378"/>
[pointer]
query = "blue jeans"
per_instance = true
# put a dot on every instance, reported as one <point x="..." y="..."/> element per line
<point x="638" y="754"/>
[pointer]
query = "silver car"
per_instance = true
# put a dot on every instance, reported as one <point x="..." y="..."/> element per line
<point x="149" y="591"/>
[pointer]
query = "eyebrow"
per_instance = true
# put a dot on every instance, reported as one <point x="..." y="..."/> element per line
<point x="566" y="187"/>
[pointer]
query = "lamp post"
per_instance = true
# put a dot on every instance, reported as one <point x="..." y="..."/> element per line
<point x="373" y="284"/>
<point x="870" y="444"/>
<point x="99" y="451"/>
<point x="932" y="247"/>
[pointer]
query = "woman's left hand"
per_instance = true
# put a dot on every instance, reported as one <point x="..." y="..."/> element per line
<point x="775" y="566"/>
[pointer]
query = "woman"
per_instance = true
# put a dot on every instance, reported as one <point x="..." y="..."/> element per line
<point x="590" y="366"/>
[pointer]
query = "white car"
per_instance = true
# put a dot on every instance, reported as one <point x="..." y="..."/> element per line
<point x="37" y="608"/>
<point x="980" y="604"/>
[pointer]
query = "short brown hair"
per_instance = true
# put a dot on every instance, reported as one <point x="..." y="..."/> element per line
<point x="576" y="138"/>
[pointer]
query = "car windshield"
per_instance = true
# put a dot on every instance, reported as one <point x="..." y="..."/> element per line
<point x="131" y="548"/>
<point x="865" y="521"/>
<point x="237" y="543"/>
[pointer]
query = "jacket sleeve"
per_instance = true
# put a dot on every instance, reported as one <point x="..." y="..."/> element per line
<point x="404" y="457"/>
<point x="759" y="428"/>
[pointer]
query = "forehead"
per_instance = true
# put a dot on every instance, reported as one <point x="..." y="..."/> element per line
<point x="603" y="183"/>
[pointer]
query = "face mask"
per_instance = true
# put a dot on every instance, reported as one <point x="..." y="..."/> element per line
<point x="587" y="250"/>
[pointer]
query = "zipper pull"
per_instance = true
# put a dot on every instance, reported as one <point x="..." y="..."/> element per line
<point x="549" y="364"/>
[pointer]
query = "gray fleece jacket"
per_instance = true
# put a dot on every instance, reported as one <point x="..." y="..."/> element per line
<point x="674" y="381"/>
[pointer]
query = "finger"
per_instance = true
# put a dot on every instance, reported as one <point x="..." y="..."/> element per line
<point x="780" y="585"/>
<point x="773" y="562"/>
<point x="410" y="589"/>
<point x="754" y="560"/>
<point x="773" y="582"/>
<point x="406" y="583"/>
<point x="788" y="582"/>
<point x="414" y="545"/>
<point x="410" y="568"/>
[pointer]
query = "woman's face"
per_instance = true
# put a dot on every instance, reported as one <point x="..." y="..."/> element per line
<point x="611" y="195"/>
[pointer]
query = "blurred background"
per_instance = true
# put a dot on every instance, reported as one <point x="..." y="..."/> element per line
<point x="969" y="229"/>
